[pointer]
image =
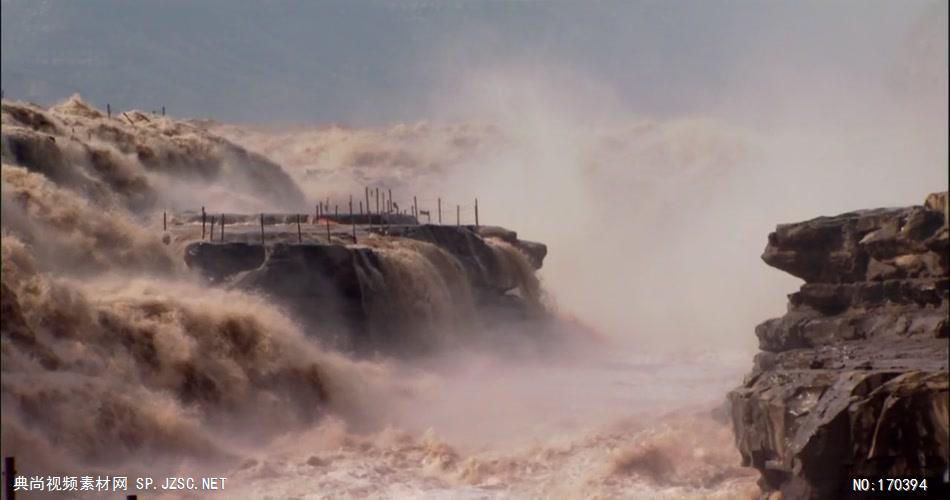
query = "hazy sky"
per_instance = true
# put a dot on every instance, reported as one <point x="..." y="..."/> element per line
<point x="834" y="105"/>
<point x="377" y="61"/>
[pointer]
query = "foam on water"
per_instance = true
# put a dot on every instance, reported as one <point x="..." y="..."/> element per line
<point x="117" y="360"/>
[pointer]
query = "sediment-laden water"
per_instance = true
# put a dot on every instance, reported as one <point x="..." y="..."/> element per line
<point x="119" y="359"/>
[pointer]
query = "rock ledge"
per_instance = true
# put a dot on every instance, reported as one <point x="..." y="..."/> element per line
<point x="853" y="381"/>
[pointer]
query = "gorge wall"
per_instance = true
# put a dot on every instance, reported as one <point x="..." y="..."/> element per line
<point x="852" y="382"/>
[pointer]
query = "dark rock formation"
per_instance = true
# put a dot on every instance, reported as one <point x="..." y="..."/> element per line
<point x="853" y="381"/>
<point x="321" y="283"/>
<point x="535" y="251"/>
<point x="218" y="261"/>
<point x="346" y="295"/>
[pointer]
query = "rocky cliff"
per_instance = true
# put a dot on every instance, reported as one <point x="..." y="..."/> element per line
<point x="852" y="381"/>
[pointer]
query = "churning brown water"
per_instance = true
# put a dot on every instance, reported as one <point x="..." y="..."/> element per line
<point x="118" y="360"/>
<point x="156" y="376"/>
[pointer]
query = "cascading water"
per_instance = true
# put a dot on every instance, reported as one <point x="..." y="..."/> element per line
<point x="514" y="263"/>
<point x="117" y="359"/>
<point x="421" y="290"/>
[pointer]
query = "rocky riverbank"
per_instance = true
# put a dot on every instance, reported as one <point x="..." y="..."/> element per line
<point x="852" y="382"/>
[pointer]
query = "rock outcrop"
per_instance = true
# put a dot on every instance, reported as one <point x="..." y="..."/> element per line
<point x="853" y="381"/>
<point x="222" y="260"/>
<point x="468" y="245"/>
<point x="397" y="282"/>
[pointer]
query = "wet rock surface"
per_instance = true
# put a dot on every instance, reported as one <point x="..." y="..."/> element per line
<point x="320" y="283"/>
<point x="218" y="261"/>
<point x="341" y="291"/>
<point x="468" y="245"/>
<point x="853" y="381"/>
<point x="535" y="251"/>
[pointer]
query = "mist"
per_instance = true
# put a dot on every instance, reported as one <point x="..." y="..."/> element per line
<point x="651" y="146"/>
<point x="660" y="209"/>
<point x="828" y="108"/>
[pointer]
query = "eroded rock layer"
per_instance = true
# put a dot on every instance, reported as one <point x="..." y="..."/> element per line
<point x="399" y="289"/>
<point x="852" y="382"/>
